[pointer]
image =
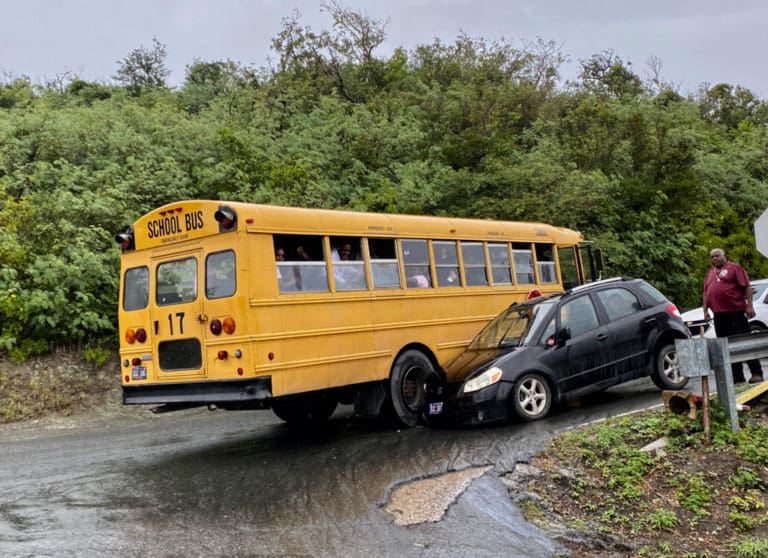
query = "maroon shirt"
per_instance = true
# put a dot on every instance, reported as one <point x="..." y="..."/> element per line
<point x="725" y="289"/>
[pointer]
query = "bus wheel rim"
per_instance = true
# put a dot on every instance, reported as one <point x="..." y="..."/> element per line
<point x="411" y="388"/>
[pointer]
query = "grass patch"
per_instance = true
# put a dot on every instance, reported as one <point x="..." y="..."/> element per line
<point x="690" y="498"/>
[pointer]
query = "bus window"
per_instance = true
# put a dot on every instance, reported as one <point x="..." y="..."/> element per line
<point x="136" y="290"/>
<point x="446" y="263"/>
<point x="348" y="271"/>
<point x="384" y="268"/>
<point x="176" y="282"/>
<point x="523" y="258"/>
<point x="500" y="269"/>
<point x="474" y="263"/>
<point x="287" y="273"/>
<point x="416" y="260"/>
<point x="302" y="267"/>
<point x="220" y="274"/>
<point x="545" y="258"/>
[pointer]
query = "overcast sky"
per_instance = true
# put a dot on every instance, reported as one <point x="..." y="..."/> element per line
<point x="697" y="41"/>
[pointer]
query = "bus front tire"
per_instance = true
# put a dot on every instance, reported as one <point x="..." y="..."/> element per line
<point x="407" y="386"/>
<point x="305" y="413"/>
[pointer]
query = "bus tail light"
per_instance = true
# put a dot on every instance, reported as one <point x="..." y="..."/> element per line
<point x="133" y="335"/>
<point x="222" y="355"/>
<point x="135" y="361"/>
<point x="227" y="326"/>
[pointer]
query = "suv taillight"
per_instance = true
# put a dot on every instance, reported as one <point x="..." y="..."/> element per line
<point x="672" y="309"/>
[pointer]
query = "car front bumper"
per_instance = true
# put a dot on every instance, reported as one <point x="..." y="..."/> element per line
<point x="484" y="406"/>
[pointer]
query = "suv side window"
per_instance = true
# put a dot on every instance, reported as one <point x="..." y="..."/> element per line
<point x="618" y="303"/>
<point x="579" y="315"/>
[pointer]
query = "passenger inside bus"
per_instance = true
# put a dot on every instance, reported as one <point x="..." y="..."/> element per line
<point x="302" y="268"/>
<point x="286" y="277"/>
<point x="447" y="265"/>
<point x="348" y="272"/>
<point x="419" y="279"/>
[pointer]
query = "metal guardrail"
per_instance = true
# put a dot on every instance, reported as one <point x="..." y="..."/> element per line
<point x="748" y="346"/>
<point x="700" y="357"/>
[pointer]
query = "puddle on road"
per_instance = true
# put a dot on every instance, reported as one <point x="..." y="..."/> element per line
<point x="427" y="500"/>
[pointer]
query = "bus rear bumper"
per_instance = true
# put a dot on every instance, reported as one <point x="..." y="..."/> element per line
<point x="255" y="393"/>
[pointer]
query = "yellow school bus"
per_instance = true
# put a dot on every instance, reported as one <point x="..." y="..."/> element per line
<point x="246" y="306"/>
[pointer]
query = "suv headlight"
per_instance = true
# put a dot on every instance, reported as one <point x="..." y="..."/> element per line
<point x="487" y="378"/>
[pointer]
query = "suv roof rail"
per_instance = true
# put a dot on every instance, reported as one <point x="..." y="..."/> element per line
<point x="578" y="288"/>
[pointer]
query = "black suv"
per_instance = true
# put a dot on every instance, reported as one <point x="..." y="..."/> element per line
<point x="562" y="346"/>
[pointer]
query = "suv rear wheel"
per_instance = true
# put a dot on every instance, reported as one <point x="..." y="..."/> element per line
<point x="666" y="373"/>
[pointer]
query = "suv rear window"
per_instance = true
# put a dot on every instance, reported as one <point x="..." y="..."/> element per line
<point x="655" y="295"/>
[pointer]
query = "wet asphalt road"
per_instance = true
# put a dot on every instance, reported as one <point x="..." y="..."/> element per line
<point x="243" y="484"/>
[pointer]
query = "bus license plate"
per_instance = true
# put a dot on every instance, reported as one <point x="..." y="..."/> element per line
<point x="139" y="373"/>
<point x="436" y="408"/>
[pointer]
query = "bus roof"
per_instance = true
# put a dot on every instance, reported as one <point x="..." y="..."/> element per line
<point x="187" y="220"/>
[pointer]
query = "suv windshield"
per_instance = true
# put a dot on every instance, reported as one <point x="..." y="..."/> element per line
<point x="512" y="328"/>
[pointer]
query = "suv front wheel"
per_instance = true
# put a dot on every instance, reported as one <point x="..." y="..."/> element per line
<point x="531" y="397"/>
<point x="666" y="373"/>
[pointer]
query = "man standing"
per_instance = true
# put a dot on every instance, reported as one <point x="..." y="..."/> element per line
<point x="728" y="294"/>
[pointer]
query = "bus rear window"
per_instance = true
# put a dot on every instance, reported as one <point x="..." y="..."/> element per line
<point x="220" y="274"/>
<point x="176" y="282"/>
<point x="136" y="289"/>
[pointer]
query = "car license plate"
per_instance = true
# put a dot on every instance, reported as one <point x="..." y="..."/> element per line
<point x="139" y="373"/>
<point x="436" y="408"/>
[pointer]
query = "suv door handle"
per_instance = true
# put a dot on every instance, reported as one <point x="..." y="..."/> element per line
<point x="602" y="337"/>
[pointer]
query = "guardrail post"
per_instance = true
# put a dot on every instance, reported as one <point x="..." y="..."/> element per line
<point x="720" y="358"/>
<point x="693" y="361"/>
<point x="697" y="358"/>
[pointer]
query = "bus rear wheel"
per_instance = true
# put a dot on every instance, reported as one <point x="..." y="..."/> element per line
<point x="305" y="413"/>
<point x="407" y="385"/>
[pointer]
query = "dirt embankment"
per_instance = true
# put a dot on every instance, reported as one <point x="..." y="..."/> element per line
<point x="56" y="388"/>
